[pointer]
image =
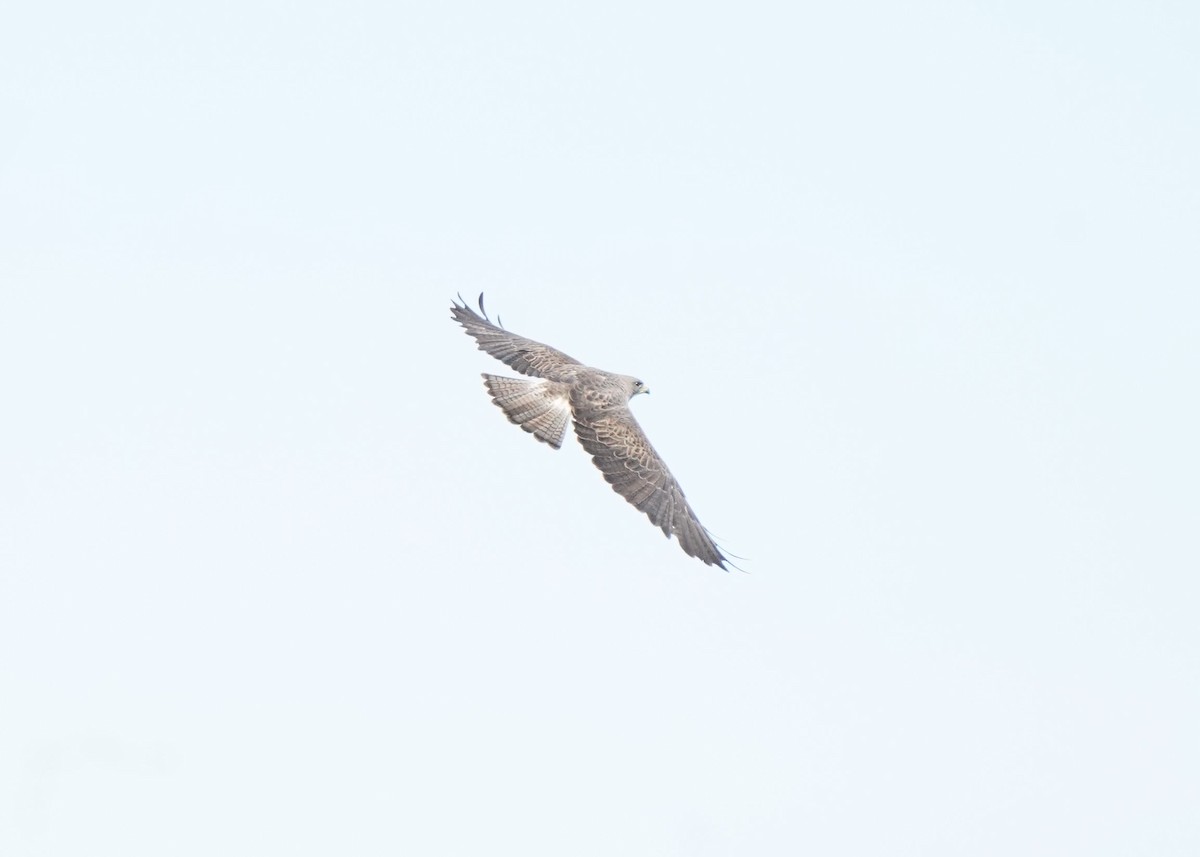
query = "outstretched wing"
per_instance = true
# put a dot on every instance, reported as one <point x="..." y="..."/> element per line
<point x="524" y="355"/>
<point x="629" y="463"/>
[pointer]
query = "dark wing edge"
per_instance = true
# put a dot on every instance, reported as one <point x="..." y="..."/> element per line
<point x="525" y="355"/>
<point x="622" y="452"/>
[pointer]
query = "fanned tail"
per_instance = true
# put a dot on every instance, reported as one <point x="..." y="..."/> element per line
<point x="537" y="406"/>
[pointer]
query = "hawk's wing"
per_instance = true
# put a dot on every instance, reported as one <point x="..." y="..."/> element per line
<point x="524" y="355"/>
<point x="620" y="449"/>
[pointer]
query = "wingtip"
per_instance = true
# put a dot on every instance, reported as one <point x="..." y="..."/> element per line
<point x="725" y="560"/>
<point x="458" y="308"/>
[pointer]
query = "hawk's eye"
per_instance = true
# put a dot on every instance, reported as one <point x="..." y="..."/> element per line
<point x="637" y="383"/>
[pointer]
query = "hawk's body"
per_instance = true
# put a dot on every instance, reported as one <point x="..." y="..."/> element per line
<point x="562" y="389"/>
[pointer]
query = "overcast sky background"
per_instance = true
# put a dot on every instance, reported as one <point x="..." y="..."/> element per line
<point x="917" y="290"/>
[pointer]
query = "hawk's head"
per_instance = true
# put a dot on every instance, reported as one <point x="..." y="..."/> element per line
<point x="636" y="386"/>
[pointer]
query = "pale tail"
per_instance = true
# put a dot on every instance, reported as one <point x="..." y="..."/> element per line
<point x="535" y="405"/>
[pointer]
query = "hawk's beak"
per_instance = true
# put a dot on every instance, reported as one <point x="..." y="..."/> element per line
<point x="646" y="390"/>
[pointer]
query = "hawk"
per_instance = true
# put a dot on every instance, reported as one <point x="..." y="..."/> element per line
<point x="560" y="388"/>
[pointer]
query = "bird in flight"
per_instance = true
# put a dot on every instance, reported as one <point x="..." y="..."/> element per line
<point x="560" y="388"/>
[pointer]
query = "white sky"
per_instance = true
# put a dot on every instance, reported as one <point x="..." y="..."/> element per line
<point x="915" y="287"/>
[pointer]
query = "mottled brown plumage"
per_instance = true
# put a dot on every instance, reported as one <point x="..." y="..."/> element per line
<point x="562" y="388"/>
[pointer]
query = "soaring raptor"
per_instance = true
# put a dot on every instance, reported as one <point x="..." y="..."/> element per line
<point x="562" y="388"/>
